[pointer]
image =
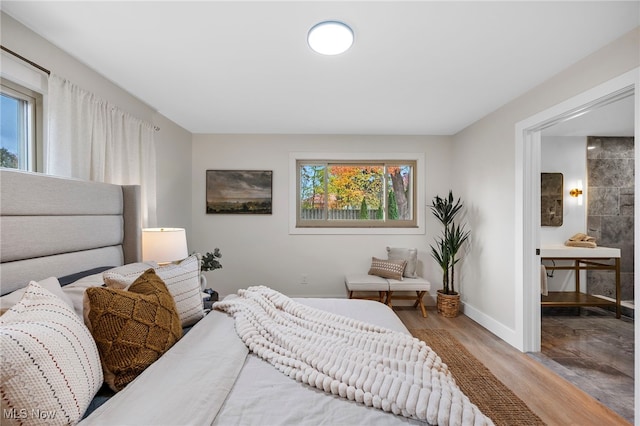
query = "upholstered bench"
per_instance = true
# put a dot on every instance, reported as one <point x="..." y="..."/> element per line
<point x="363" y="283"/>
<point x="398" y="273"/>
<point x="418" y="285"/>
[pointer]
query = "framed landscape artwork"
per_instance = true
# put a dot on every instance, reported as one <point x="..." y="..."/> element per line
<point x="239" y="191"/>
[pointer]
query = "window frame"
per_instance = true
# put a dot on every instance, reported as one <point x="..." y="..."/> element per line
<point x="414" y="226"/>
<point x="28" y="151"/>
<point x="20" y="77"/>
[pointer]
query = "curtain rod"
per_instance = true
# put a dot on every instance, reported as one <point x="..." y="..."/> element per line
<point x="33" y="64"/>
<point x="41" y="68"/>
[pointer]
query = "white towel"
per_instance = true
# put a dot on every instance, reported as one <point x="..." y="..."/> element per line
<point x="543" y="281"/>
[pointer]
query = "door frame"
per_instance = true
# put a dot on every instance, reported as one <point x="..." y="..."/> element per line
<point x="527" y="198"/>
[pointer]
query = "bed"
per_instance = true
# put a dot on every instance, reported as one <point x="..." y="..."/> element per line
<point x="83" y="236"/>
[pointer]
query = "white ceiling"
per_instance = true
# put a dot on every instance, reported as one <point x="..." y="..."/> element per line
<point x="418" y="67"/>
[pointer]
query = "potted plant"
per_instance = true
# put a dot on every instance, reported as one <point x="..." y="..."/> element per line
<point x="209" y="262"/>
<point x="445" y="251"/>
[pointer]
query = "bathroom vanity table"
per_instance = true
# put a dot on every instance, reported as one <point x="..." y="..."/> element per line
<point x="598" y="258"/>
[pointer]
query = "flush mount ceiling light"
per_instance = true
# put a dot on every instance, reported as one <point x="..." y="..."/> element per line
<point x="330" y="37"/>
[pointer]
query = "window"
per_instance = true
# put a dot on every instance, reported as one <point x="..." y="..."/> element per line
<point x="20" y="144"/>
<point x="356" y="194"/>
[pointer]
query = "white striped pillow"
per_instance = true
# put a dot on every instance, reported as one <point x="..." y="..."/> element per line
<point x="124" y="276"/>
<point x="50" y="364"/>
<point x="183" y="281"/>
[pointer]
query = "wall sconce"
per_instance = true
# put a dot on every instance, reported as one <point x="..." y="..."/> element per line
<point x="575" y="192"/>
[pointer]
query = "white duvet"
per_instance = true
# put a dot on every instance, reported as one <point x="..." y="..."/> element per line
<point x="209" y="377"/>
<point x="186" y="386"/>
<point x="354" y="360"/>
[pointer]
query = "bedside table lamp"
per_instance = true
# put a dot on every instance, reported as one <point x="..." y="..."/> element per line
<point x="164" y="245"/>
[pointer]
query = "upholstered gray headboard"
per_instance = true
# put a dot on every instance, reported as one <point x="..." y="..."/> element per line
<point x="52" y="226"/>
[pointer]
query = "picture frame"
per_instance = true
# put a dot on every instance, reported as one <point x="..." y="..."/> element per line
<point x="239" y="191"/>
<point x="551" y="199"/>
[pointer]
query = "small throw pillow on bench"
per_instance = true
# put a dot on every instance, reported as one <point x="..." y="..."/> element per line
<point x="387" y="268"/>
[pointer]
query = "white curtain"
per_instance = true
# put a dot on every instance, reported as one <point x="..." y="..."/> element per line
<point x="93" y="140"/>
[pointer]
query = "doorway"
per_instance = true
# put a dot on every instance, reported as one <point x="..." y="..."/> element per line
<point x="528" y="169"/>
<point x="590" y="347"/>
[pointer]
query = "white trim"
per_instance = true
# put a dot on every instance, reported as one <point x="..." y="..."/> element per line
<point x="636" y="254"/>
<point x="17" y="71"/>
<point x="527" y="167"/>
<point x="20" y="73"/>
<point x="507" y="334"/>
<point x="418" y="157"/>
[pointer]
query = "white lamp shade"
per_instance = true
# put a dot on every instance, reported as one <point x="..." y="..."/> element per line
<point x="164" y="244"/>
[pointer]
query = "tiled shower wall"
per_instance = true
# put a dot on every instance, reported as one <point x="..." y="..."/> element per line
<point x="610" y="172"/>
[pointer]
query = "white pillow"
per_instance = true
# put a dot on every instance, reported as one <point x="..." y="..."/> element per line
<point x="127" y="273"/>
<point x="51" y="284"/>
<point x="183" y="281"/>
<point x="410" y="255"/>
<point x="75" y="290"/>
<point x="50" y="363"/>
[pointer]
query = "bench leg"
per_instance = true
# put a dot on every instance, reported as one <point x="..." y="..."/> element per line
<point x="419" y="302"/>
<point x="350" y="294"/>
<point x="389" y="299"/>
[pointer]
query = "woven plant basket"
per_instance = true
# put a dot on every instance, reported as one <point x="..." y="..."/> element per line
<point x="448" y="304"/>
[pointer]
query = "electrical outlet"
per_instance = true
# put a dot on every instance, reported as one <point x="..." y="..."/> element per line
<point x="304" y="279"/>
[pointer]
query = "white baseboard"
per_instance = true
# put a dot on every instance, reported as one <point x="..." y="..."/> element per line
<point x="505" y="333"/>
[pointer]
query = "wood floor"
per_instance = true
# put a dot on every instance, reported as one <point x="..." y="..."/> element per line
<point x="552" y="398"/>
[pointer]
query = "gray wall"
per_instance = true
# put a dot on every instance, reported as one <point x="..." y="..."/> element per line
<point x="610" y="171"/>
<point x="261" y="250"/>
<point x="173" y="143"/>
<point x="484" y="174"/>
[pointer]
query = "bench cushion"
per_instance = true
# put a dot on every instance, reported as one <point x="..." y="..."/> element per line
<point x="409" y="284"/>
<point x="364" y="282"/>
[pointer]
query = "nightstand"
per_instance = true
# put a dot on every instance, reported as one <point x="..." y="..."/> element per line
<point x="210" y="298"/>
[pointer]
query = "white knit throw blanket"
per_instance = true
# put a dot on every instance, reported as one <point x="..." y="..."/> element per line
<point x="374" y="366"/>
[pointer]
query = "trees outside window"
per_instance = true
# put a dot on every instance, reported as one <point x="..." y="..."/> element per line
<point x="356" y="193"/>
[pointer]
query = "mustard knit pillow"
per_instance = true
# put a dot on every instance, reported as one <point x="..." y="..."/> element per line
<point x="132" y="328"/>
<point x="183" y="281"/>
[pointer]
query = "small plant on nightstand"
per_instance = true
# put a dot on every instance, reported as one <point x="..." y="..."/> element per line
<point x="209" y="261"/>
